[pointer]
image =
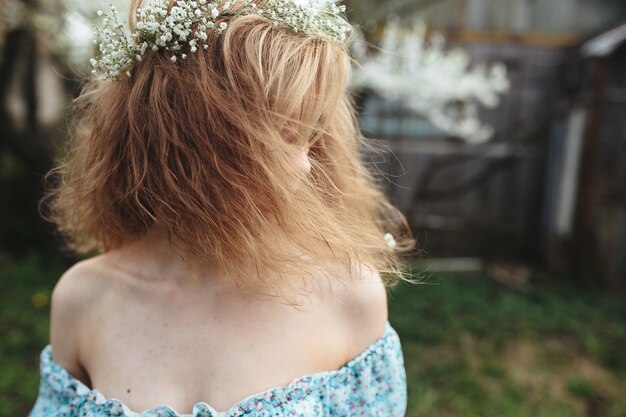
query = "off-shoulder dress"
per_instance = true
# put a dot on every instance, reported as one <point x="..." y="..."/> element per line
<point x="373" y="384"/>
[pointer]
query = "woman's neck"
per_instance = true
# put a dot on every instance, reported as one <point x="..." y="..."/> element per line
<point x="160" y="255"/>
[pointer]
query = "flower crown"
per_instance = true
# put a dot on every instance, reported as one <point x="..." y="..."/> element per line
<point x="183" y="27"/>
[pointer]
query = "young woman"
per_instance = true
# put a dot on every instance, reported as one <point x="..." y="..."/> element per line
<point x="242" y="249"/>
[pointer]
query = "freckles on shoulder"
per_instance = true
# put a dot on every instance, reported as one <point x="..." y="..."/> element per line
<point x="74" y="297"/>
<point x="79" y="288"/>
<point x="362" y="309"/>
<point x="364" y="303"/>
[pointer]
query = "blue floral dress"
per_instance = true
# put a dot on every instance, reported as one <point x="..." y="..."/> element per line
<point x="371" y="384"/>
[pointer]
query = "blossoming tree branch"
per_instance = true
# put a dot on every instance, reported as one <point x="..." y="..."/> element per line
<point x="436" y="83"/>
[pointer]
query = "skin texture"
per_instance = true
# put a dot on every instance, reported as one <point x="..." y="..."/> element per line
<point x="141" y="325"/>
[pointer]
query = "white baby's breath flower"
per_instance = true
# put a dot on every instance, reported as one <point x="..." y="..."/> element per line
<point x="185" y="25"/>
<point x="390" y="241"/>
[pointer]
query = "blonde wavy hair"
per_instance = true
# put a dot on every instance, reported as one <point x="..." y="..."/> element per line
<point x="207" y="147"/>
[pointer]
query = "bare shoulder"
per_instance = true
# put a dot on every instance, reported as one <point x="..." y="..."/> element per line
<point x="74" y="296"/>
<point x="363" y="306"/>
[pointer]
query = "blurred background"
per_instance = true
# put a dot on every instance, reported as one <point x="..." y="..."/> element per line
<point x="500" y="127"/>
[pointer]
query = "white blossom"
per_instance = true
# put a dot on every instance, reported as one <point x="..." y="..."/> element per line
<point x="434" y="82"/>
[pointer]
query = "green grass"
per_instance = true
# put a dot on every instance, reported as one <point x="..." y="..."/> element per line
<point x="25" y="289"/>
<point x="472" y="347"/>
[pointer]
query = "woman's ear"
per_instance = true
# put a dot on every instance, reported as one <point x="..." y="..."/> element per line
<point x="303" y="161"/>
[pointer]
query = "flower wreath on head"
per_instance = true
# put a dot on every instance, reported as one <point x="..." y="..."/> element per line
<point x="182" y="27"/>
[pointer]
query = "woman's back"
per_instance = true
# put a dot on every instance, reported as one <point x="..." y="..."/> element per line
<point x="133" y="325"/>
